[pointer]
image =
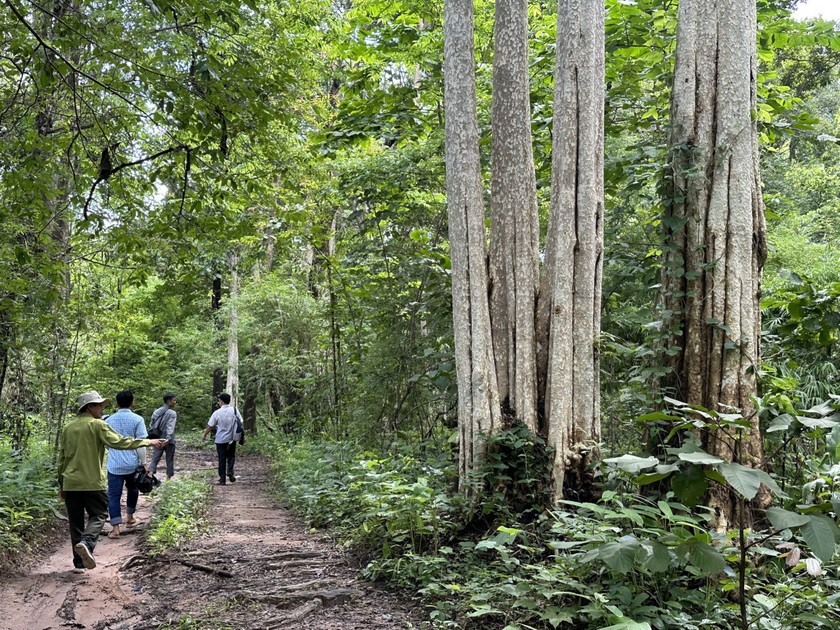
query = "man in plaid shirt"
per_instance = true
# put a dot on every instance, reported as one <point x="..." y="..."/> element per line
<point x="121" y="464"/>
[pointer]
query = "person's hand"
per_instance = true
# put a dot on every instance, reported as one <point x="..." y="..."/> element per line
<point x="159" y="443"/>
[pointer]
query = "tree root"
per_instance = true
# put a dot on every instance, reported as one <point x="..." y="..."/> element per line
<point x="133" y="560"/>
<point x="203" y="567"/>
<point x="288" y="555"/>
<point x="279" y="566"/>
<point x="327" y="597"/>
<point x="298" y="614"/>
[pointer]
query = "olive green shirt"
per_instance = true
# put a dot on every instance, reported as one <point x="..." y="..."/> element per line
<point x="81" y="453"/>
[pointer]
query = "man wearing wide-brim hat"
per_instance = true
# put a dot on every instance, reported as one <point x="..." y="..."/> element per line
<point x="81" y="481"/>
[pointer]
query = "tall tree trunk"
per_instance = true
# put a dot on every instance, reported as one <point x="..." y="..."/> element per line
<point x="232" y="384"/>
<point x="514" y="235"/>
<point x="478" y="396"/>
<point x="716" y="243"/>
<point x="56" y="202"/>
<point x="215" y="307"/>
<point x="569" y="307"/>
<point x="335" y="353"/>
<point x="249" y="411"/>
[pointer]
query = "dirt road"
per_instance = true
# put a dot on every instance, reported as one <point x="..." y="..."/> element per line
<point x="267" y="572"/>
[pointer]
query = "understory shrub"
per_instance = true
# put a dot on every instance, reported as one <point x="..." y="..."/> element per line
<point x="625" y="562"/>
<point x="180" y="513"/>
<point x="28" y="497"/>
<point x="383" y="508"/>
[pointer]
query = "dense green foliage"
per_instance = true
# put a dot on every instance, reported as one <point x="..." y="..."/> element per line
<point x="481" y="566"/>
<point x="28" y="498"/>
<point x="146" y="145"/>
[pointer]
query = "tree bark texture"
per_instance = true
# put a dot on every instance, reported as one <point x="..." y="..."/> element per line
<point x="478" y="397"/>
<point x="568" y="314"/>
<point x="514" y="235"/>
<point x="715" y="229"/>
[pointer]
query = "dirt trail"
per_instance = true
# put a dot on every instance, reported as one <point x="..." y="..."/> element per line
<point x="269" y="573"/>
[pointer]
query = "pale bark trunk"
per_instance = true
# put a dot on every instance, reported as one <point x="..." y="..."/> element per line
<point x="716" y="230"/>
<point x="232" y="384"/>
<point x="215" y="307"/>
<point x="515" y="224"/>
<point x="478" y="399"/>
<point x="568" y="317"/>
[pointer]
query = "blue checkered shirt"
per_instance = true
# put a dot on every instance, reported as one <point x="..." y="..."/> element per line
<point x="125" y="422"/>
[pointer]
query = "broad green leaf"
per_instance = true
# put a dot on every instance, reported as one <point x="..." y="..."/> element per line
<point x="700" y="457"/>
<point x="556" y="615"/>
<point x="714" y="475"/>
<point x="818" y="423"/>
<point x="820" y="534"/>
<point x="783" y="519"/>
<point x="657" y="557"/>
<point x="619" y="555"/>
<point x="767" y="602"/>
<point x="745" y="481"/>
<point x="823" y="409"/>
<point x="690" y="485"/>
<point x="483" y="609"/>
<point x="667" y="468"/>
<point x="705" y="558"/>
<point x="657" y="416"/>
<point x="647" y="479"/>
<point x="780" y="423"/>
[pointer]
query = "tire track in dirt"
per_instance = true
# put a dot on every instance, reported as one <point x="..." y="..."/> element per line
<point x="280" y="576"/>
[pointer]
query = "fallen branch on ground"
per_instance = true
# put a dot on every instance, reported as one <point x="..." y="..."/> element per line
<point x="203" y="567"/>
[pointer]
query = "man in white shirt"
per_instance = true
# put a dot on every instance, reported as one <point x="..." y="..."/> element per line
<point x="225" y="420"/>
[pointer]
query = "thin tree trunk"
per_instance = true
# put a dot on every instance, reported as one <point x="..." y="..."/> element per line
<point x="215" y="307"/>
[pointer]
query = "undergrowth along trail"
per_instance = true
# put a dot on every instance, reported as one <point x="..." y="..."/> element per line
<point x="252" y="565"/>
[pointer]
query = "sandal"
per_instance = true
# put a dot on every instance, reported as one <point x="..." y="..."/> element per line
<point x="113" y="535"/>
<point x="134" y="522"/>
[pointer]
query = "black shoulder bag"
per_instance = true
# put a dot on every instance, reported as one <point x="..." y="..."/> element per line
<point x="156" y="427"/>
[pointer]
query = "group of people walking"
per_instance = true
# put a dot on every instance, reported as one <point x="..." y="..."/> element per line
<point x="92" y="498"/>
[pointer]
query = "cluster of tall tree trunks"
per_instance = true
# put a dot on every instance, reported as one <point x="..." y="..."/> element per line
<point x="526" y="333"/>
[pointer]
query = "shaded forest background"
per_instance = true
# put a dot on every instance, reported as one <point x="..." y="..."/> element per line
<point x="180" y="177"/>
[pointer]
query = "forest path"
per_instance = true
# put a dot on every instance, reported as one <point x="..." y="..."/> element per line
<point x="270" y="572"/>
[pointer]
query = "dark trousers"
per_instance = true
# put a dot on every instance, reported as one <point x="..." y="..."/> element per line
<point x="95" y="504"/>
<point x="115" y="488"/>
<point x="169" y="449"/>
<point x="227" y="458"/>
